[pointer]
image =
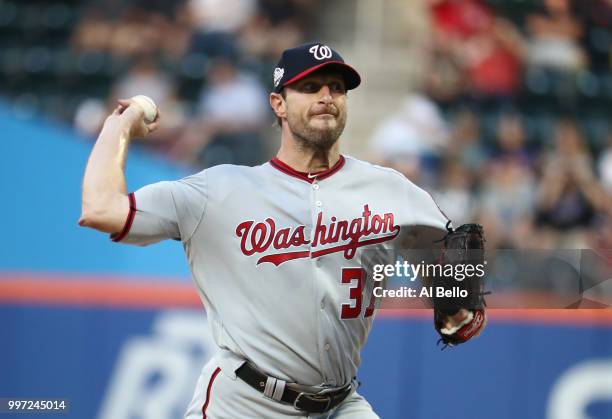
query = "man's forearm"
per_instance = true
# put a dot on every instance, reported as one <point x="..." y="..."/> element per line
<point x="104" y="201"/>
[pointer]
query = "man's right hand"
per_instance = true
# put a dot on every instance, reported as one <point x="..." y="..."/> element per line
<point x="130" y="116"/>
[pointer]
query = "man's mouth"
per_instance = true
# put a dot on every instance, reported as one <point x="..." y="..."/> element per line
<point x="324" y="115"/>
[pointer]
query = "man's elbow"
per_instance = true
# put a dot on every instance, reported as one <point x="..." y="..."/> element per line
<point x="99" y="219"/>
<point x="92" y="218"/>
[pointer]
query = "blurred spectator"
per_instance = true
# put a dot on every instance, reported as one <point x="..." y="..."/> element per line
<point x="136" y="33"/>
<point x="605" y="166"/>
<point x="214" y="44"/>
<point x="415" y="135"/>
<point x="231" y="111"/>
<point x="454" y="21"/>
<point x="507" y="199"/>
<point x="554" y="37"/>
<point x="89" y="117"/>
<point x="460" y="18"/>
<point x="569" y="194"/>
<point x="276" y="26"/>
<point x="417" y="127"/>
<point x="281" y="11"/>
<point x="129" y="30"/>
<point x="144" y="77"/>
<point x="406" y="163"/>
<point x="176" y="34"/>
<point x="493" y="61"/>
<point x="93" y="32"/>
<point x="474" y="51"/>
<point x="220" y="15"/>
<point x="233" y="97"/>
<point x="445" y="81"/>
<point x="597" y="18"/>
<point x="510" y="140"/>
<point x="454" y="196"/>
<point x="466" y="145"/>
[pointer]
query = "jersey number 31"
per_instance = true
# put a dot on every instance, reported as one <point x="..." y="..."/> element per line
<point x="356" y="277"/>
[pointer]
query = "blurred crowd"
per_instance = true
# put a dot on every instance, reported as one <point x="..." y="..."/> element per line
<point x="215" y="103"/>
<point x="536" y="174"/>
<point x="510" y="126"/>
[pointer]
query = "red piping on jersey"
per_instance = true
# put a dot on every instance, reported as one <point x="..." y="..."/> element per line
<point x="208" y="391"/>
<point x="128" y="221"/>
<point x="308" y="177"/>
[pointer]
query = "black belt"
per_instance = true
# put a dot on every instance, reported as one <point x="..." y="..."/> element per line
<point x="280" y="391"/>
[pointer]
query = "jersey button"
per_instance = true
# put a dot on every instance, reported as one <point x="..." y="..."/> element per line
<point x="323" y="305"/>
<point x="315" y="186"/>
<point x="318" y="203"/>
<point x="327" y="346"/>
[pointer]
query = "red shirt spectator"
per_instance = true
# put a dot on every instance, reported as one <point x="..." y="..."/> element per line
<point x="460" y="18"/>
<point x="494" y="60"/>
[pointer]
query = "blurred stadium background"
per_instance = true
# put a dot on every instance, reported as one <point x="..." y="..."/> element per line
<point x="501" y="108"/>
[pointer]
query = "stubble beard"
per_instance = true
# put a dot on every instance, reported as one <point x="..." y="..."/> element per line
<point x="319" y="139"/>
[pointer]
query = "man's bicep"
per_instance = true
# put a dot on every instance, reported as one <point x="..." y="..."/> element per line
<point x="425" y="213"/>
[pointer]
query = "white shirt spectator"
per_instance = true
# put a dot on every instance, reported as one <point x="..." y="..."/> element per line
<point x="221" y="15"/>
<point x="605" y="169"/>
<point x="416" y="128"/>
<point x="241" y="100"/>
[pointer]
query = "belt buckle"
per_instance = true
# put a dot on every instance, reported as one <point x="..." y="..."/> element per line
<point x="297" y="399"/>
<point x="314" y="396"/>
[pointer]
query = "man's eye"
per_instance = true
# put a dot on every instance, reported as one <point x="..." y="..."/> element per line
<point x="310" y="87"/>
<point x="337" y="87"/>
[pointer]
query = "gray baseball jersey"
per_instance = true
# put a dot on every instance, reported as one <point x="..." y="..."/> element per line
<point x="276" y="256"/>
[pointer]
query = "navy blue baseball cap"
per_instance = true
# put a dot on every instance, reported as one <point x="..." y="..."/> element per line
<point x="298" y="62"/>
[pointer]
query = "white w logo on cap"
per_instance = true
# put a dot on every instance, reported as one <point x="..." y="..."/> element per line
<point x="320" y="52"/>
<point x="278" y="75"/>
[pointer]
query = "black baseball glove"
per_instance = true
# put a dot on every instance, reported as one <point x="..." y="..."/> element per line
<point x="459" y="304"/>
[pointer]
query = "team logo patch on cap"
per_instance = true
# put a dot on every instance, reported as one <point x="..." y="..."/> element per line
<point x="320" y="52"/>
<point x="278" y="75"/>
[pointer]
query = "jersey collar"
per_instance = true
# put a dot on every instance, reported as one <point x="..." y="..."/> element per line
<point x="308" y="177"/>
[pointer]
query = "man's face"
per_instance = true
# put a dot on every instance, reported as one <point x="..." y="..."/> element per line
<point x="316" y="109"/>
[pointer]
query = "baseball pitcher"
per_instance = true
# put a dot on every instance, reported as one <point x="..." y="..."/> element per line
<point x="275" y="250"/>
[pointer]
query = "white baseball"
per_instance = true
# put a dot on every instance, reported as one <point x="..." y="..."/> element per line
<point x="148" y="105"/>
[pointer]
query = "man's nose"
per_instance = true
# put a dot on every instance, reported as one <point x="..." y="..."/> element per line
<point x="325" y="94"/>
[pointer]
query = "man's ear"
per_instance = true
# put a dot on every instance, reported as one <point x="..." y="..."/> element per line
<point x="278" y="105"/>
